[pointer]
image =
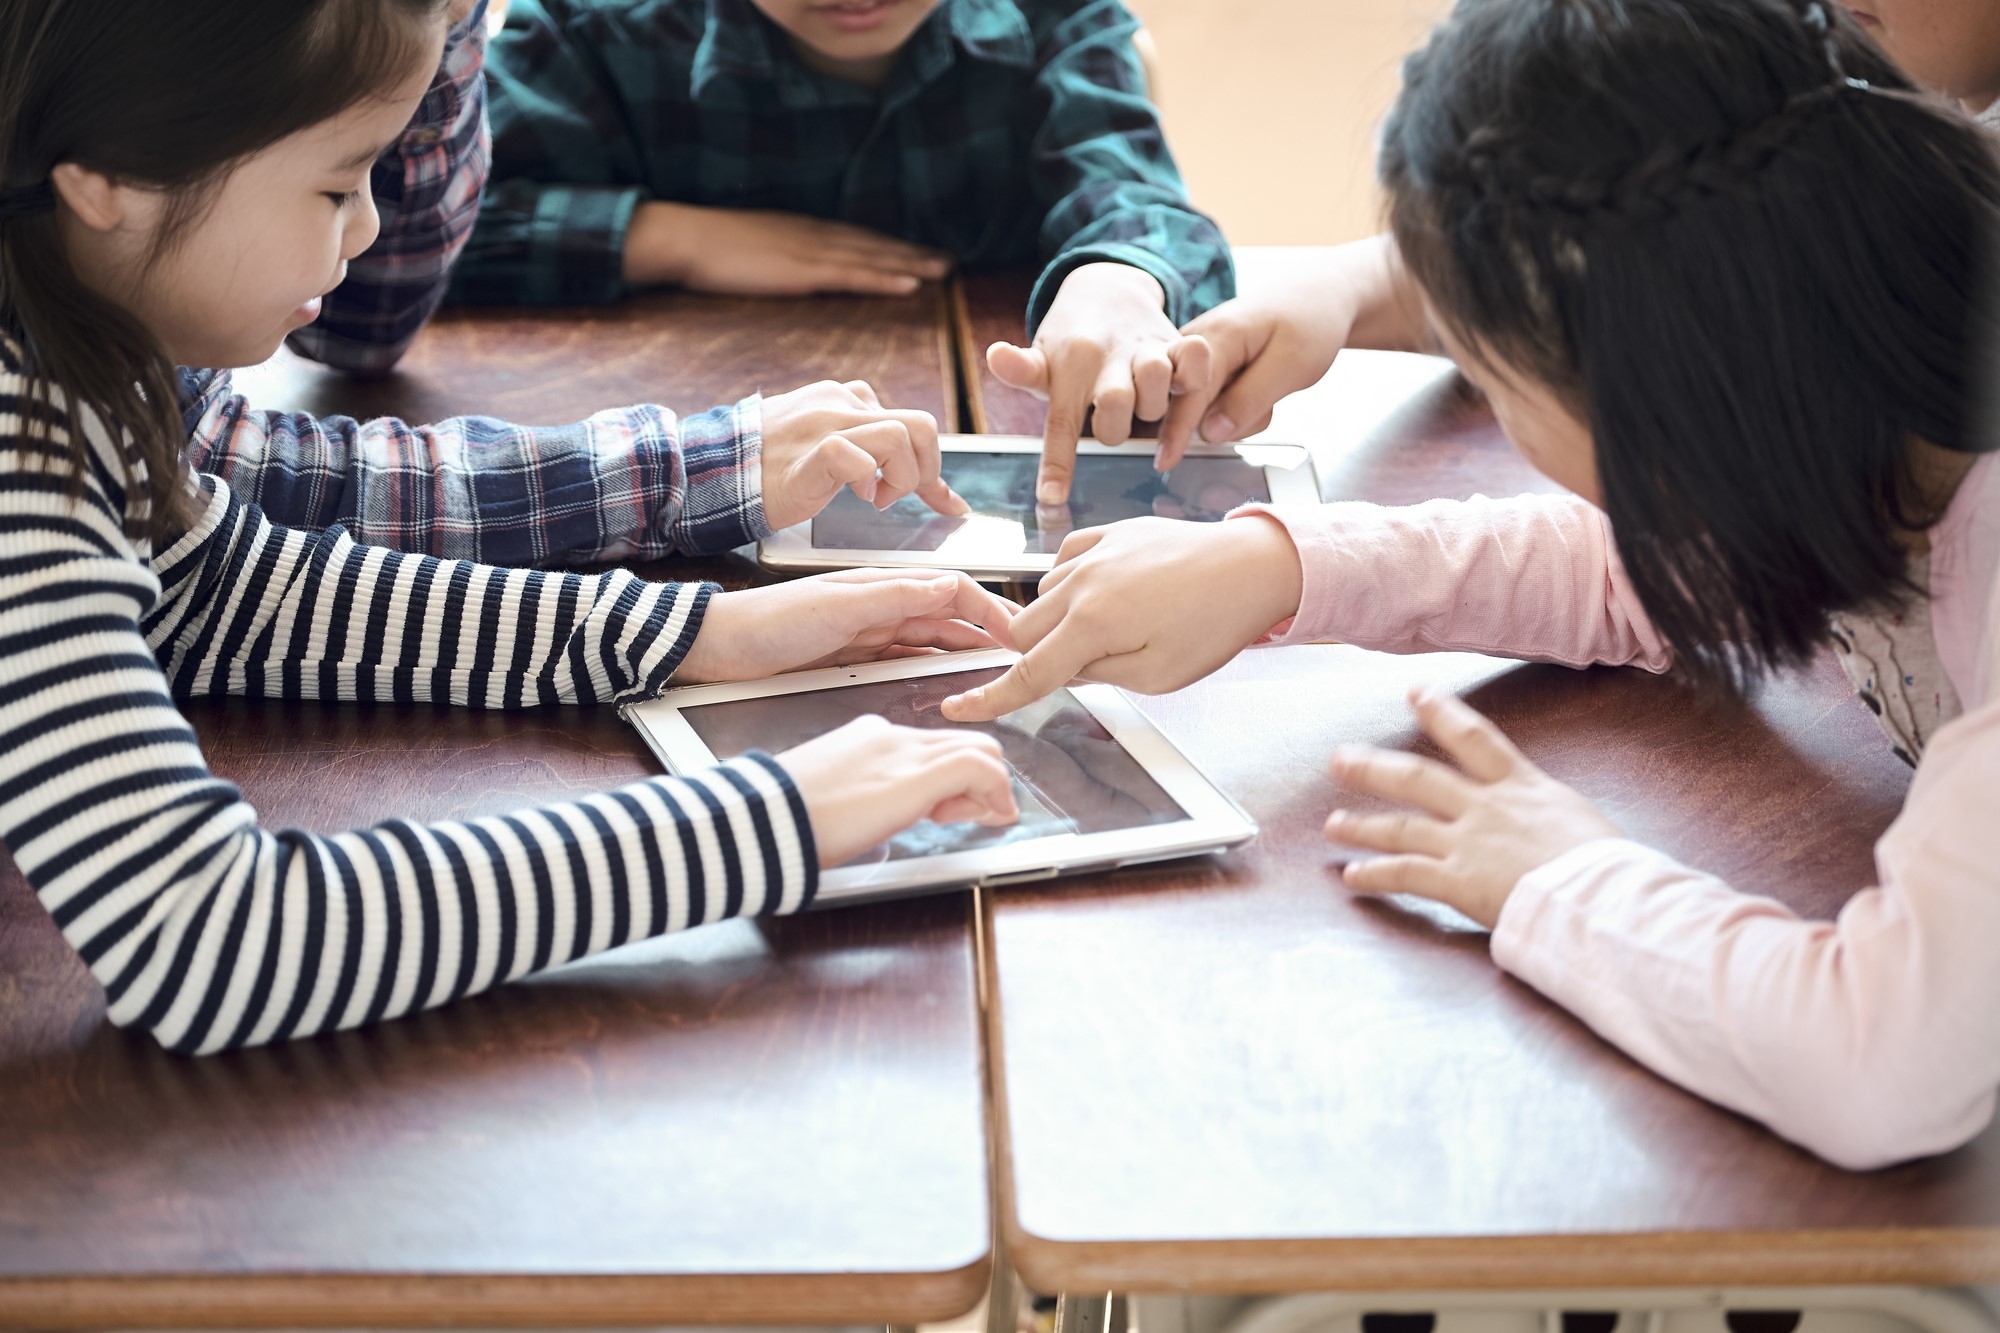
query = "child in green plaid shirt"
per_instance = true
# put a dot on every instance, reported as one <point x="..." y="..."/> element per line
<point x="857" y="145"/>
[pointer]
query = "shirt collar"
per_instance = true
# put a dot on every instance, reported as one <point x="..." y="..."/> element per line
<point x="737" y="42"/>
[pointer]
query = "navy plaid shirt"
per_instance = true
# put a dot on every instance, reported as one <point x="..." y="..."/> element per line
<point x="426" y="187"/>
<point x="1009" y="132"/>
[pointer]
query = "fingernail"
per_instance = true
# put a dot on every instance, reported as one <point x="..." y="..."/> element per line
<point x="1218" y="428"/>
<point x="1338" y="819"/>
<point x="1050" y="493"/>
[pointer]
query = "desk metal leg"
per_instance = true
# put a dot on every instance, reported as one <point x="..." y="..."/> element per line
<point x="1003" y="1289"/>
<point x="1091" y="1314"/>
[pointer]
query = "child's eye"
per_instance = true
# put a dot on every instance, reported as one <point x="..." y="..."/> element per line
<point x="343" y="198"/>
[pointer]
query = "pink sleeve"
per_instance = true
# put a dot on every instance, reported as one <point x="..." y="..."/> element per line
<point x="1534" y="577"/>
<point x="1869" y="1039"/>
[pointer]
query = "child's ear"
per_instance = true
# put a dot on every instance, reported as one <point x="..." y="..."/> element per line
<point x="98" y="201"/>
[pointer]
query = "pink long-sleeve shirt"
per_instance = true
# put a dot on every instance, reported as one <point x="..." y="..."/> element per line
<point x="1868" y="1039"/>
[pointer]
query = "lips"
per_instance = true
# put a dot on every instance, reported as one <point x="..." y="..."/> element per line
<point x="855" y="17"/>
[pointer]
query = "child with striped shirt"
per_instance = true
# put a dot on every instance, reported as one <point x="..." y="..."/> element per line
<point x="147" y="221"/>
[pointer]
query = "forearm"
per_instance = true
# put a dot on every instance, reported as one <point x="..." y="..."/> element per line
<point x="1388" y="306"/>
<point x="540" y="244"/>
<point x="226" y="935"/>
<point x="1536" y="577"/>
<point x="250" y="608"/>
<point x="628" y="484"/>
<point x="1869" y="1039"/>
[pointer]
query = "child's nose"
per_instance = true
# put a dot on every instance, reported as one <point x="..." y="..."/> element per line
<point x="363" y="229"/>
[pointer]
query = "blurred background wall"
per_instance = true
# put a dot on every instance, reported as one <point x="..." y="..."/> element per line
<point x="1272" y="107"/>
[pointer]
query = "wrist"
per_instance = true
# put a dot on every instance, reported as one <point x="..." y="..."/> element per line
<point x="661" y="243"/>
<point x="1109" y="280"/>
<point x="1267" y="565"/>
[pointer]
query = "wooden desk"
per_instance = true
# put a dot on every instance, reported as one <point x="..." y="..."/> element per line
<point x="1235" y="1077"/>
<point x="551" y="367"/>
<point x="777" y="1122"/>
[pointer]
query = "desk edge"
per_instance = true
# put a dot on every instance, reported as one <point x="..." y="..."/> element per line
<point x="497" y="1301"/>
<point x="1869" y="1257"/>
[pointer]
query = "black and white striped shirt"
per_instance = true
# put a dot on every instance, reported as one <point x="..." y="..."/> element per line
<point x="211" y="932"/>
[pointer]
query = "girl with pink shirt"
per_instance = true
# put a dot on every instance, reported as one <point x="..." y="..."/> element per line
<point x="1716" y="265"/>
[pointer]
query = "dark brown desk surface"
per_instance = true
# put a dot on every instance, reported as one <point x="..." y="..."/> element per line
<point x="551" y="367"/>
<point x="778" y="1122"/>
<point x="1236" y="1077"/>
<point x="987" y="308"/>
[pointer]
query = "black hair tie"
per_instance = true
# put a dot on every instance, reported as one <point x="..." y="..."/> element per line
<point x="27" y="201"/>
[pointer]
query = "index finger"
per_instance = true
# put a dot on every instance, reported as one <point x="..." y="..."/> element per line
<point x="1225" y="352"/>
<point x="931" y="487"/>
<point x="1071" y="381"/>
<point x="1406" y="778"/>
<point x="1041" y="671"/>
<point x="1188" y="399"/>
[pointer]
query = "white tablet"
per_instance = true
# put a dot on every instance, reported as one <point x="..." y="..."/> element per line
<point x="1098" y="785"/>
<point x="1007" y="535"/>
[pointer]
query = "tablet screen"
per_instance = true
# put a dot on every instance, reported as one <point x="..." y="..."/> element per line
<point x="1006" y="521"/>
<point x="1070" y="774"/>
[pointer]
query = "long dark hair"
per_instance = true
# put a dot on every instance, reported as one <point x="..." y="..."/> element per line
<point x="168" y="94"/>
<point x="1732" y="237"/>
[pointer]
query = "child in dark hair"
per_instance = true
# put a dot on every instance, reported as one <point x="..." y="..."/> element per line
<point x="767" y="146"/>
<point x="147" y="221"/>
<point x="1716" y="266"/>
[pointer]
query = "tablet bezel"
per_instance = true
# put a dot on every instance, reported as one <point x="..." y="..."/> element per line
<point x="1288" y="473"/>
<point x="1213" y="821"/>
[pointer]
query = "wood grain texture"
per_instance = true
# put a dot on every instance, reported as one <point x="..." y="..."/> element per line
<point x="1234" y="1076"/>
<point x="643" y="1137"/>
<point x="776" y="1121"/>
<point x="986" y="308"/>
<point x="691" y="352"/>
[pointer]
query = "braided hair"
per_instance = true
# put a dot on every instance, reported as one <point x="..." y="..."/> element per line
<point x="1736" y="242"/>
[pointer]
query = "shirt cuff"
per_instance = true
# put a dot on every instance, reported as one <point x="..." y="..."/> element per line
<point x="1049" y="285"/>
<point x="577" y="243"/>
<point x="1531" y="918"/>
<point x="802" y="881"/>
<point x="722" y="507"/>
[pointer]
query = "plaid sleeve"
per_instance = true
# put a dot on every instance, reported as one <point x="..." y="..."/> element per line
<point x="427" y="188"/>
<point x="631" y="483"/>
<point x="1104" y="174"/>
<point x="565" y="172"/>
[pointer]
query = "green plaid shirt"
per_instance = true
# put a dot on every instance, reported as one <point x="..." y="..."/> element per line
<point x="1010" y="132"/>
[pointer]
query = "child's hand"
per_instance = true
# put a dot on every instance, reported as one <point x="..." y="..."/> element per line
<point x="868" y="781"/>
<point x="1265" y="347"/>
<point x="750" y="253"/>
<point x="1475" y="832"/>
<point x="1106" y="346"/>
<point x="856" y="615"/>
<point x="827" y="435"/>
<point x="1261" y="349"/>
<point x="1151" y="604"/>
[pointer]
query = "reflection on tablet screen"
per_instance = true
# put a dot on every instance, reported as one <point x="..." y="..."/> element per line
<point x="1006" y="521"/>
<point x="1070" y="775"/>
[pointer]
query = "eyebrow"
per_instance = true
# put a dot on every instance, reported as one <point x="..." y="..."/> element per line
<point x="363" y="158"/>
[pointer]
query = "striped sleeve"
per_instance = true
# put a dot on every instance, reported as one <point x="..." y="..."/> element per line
<point x="211" y="932"/>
